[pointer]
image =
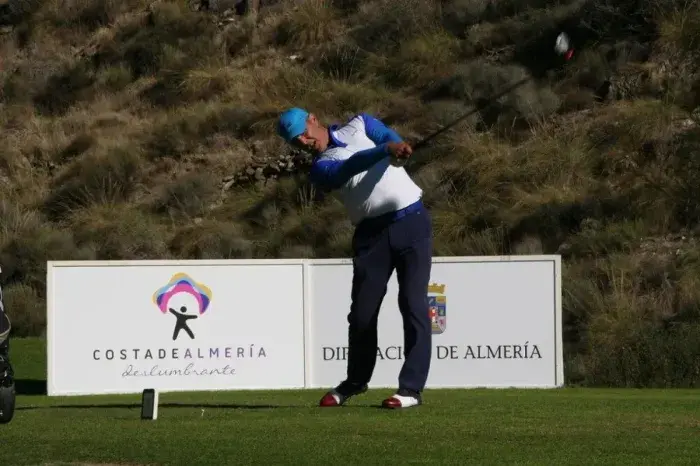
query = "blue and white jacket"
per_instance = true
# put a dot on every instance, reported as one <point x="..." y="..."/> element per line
<point x="356" y="163"/>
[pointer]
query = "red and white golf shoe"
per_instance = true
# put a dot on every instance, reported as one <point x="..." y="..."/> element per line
<point x="340" y="394"/>
<point x="402" y="399"/>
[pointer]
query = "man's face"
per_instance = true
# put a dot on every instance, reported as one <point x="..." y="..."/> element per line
<point x="314" y="138"/>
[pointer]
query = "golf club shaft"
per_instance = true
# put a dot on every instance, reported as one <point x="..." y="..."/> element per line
<point x="489" y="101"/>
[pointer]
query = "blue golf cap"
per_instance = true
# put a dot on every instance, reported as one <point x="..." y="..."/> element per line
<point x="292" y="123"/>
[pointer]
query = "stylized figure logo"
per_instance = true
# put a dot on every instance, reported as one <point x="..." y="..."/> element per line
<point x="180" y="295"/>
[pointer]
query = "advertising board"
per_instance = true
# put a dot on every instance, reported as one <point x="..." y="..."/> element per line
<point x="123" y="326"/>
<point x="120" y="327"/>
<point x="495" y="323"/>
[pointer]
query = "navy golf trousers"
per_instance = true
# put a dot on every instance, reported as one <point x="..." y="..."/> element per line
<point x="400" y="241"/>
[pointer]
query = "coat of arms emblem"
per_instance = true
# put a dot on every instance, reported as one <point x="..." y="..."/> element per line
<point x="437" y="308"/>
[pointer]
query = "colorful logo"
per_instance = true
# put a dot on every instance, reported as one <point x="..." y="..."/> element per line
<point x="185" y="299"/>
<point x="437" y="308"/>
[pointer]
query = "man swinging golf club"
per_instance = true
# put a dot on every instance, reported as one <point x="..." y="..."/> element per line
<point x="393" y="231"/>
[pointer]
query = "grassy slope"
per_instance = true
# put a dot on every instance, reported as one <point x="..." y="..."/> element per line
<point x="569" y="426"/>
<point x="122" y="119"/>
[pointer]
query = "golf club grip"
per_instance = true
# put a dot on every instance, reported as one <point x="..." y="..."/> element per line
<point x="423" y="142"/>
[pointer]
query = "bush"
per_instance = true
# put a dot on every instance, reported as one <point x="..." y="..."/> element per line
<point x="477" y="82"/>
<point x="184" y="131"/>
<point x="23" y="257"/>
<point x="119" y="232"/>
<point x="27" y="310"/>
<point x="421" y="60"/>
<point x="188" y="197"/>
<point x="680" y="26"/>
<point x="16" y="220"/>
<point x="64" y="89"/>
<point x="85" y="14"/>
<point x="105" y="178"/>
<point x="176" y="88"/>
<point x="312" y="22"/>
<point x="643" y="313"/>
<point x="211" y="240"/>
<point x="383" y="33"/>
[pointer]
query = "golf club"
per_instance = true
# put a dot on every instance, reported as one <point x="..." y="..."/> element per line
<point x="562" y="47"/>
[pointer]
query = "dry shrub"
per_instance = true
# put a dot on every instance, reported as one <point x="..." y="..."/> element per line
<point x="309" y="23"/>
<point x="70" y="78"/>
<point x="595" y="239"/>
<point x="459" y="15"/>
<point x="342" y="60"/>
<point x="16" y="219"/>
<point x="476" y="82"/>
<point x="672" y="181"/>
<point x="296" y="251"/>
<point x="624" y="128"/>
<point x="78" y="145"/>
<point x="26" y="71"/>
<point x="679" y="27"/>
<point x="26" y="308"/>
<point x="381" y="32"/>
<point x="422" y="59"/>
<point x="101" y="178"/>
<point x="324" y="228"/>
<point x="492" y="11"/>
<point x="172" y="38"/>
<point x="239" y="36"/>
<point x="86" y="15"/>
<point x="294" y="213"/>
<point x="679" y="41"/>
<point x="23" y="256"/>
<point x="211" y="240"/>
<point x="635" y="326"/>
<point x="119" y="232"/>
<point x="329" y="99"/>
<point x="189" y="196"/>
<point x="180" y="87"/>
<point x="113" y="78"/>
<point x="652" y="161"/>
<point x="195" y="127"/>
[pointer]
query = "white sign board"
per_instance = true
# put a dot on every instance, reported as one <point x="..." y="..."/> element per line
<point x="497" y="323"/>
<point x="121" y="327"/>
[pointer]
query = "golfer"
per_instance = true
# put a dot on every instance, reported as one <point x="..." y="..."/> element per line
<point x="393" y="231"/>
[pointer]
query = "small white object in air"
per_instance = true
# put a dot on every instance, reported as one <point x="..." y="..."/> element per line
<point x="562" y="44"/>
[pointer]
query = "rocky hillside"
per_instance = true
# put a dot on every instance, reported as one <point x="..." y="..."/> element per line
<point x="135" y="129"/>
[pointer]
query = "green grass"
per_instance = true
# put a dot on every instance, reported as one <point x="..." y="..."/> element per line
<point x="567" y="426"/>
